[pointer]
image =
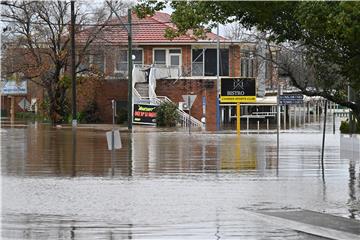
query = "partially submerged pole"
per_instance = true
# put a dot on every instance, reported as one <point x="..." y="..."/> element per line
<point x="278" y="124"/>
<point x="73" y="70"/>
<point x="238" y="118"/>
<point x="323" y="142"/>
<point x="130" y="68"/>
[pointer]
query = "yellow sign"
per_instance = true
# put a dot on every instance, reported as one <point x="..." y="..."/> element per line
<point x="232" y="99"/>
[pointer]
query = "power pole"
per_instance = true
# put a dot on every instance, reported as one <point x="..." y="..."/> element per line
<point x="130" y="66"/>
<point x="73" y="70"/>
<point x="130" y="69"/>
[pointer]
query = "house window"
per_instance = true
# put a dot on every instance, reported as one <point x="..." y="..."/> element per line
<point x="175" y="57"/>
<point x="97" y="61"/>
<point x="204" y="62"/>
<point x="167" y="57"/>
<point x="122" y="60"/>
<point x="91" y="62"/>
<point x="247" y="64"/>
<point x="160" y="57"/>
<point x="197" y="62"/>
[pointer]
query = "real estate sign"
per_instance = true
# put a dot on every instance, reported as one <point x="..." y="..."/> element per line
<point x="234" y="90"/>
<point x="144" y="114"/>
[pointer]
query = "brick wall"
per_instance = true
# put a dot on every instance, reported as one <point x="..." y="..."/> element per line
<point x="116" y="89"/>
<point x="234" y="61"/>
<point x="175" y="89"/>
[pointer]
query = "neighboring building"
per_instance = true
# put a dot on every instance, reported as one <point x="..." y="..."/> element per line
<point x="184" y="65"/>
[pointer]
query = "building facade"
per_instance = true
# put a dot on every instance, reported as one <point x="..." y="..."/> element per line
<point x="185" y="65"/>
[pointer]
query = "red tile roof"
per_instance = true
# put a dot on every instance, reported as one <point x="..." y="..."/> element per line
<point x="150" y="29"/>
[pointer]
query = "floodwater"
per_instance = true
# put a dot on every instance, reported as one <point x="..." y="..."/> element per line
<point x="64" y="184"/>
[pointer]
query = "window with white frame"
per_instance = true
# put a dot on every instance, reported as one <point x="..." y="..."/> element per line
<point x="160" y="57"/>
<point x="247" y="64"/>
<point x="121" y="64"/>
<point x="167" y="57"/>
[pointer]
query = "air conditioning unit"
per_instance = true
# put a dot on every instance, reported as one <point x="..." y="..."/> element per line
<point x="183" y="106"/>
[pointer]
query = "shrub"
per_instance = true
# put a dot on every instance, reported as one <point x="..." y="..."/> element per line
<point x="167" y="115"/>
<point x="345" y="127"/>
<point x="122" y="115"/>
<point x="90" y="114"/>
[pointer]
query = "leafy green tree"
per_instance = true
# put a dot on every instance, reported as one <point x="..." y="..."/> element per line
<point x="321" y="39"/>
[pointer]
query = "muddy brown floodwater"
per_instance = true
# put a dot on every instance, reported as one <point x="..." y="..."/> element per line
<point x="64" y="184"/>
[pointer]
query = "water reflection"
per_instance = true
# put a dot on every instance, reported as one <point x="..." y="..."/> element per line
<point x="65" y="184"/>
<point x="48" y="151"/>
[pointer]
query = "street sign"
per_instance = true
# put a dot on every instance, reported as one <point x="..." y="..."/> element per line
<point x="24" y="104"/>
<point x="11" y="87"/>
<point x="145" y="114"/>
<point x="291" y="99"/>
<point x="240" y="90"/>
<point x="189" y="99"/>
<point x="117" y="140"/>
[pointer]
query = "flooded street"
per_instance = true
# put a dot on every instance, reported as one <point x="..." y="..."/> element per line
<point x="64" y="184"/>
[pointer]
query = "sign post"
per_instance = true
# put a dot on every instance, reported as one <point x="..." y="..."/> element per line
<point x="238" y="90"/>
<point x="189" y="99"/>
<point x="238" y="118"/>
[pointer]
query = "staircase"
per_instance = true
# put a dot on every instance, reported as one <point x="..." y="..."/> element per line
<point x="142" y="88"/>
<point x="145" y="92"/>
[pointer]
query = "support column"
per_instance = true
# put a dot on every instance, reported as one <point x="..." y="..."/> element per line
<point x="284" y="117"/>
<point x="12" y="109"/>
<point x="238" y="118"/>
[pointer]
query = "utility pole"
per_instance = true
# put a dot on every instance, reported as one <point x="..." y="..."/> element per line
<point x="73" y="70"/>
<point x="217" y="79"/>
<point x="351" y="123"/>
<point x="130" y="69"/>
<point x="130" y="61"/>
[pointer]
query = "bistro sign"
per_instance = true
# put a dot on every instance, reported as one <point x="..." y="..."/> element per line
<point x="238" y="90"/>
<point x="145" y="114"/>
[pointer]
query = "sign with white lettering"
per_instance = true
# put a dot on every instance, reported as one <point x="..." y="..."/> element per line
<point x="291" y="99"/>
<point x="144" y="114"/>
<point x="13" y="88"/>
<point x="237" y="90"/>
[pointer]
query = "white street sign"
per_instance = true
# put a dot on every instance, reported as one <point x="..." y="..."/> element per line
<point x="13" y="88"/>
<point x="189" y="99"/>
<point x="117" y="140"/>
<point x="24" y="104"/>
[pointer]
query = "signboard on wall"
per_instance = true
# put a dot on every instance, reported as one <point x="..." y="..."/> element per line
<point x="234" y="90"/>
<point x="11" y="87"/>
<point x="144" y="114"/>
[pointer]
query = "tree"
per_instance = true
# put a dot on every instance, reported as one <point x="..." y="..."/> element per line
<point x="38" y="44"/>
<point x="319" y="39"/>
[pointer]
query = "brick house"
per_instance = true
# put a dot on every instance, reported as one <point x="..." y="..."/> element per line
<point x="184" y="65"/>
